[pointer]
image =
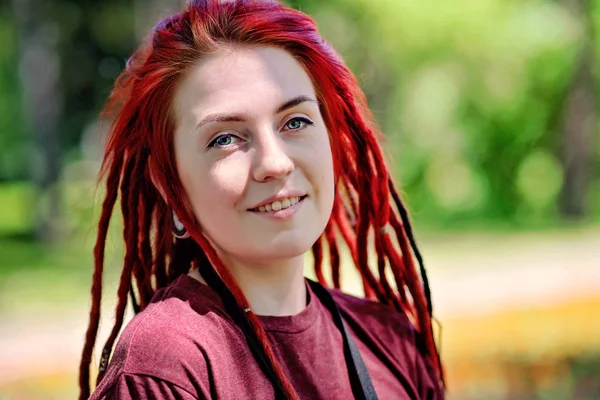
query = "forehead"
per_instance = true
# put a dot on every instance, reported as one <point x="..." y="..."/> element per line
<point x="241" y="79"/>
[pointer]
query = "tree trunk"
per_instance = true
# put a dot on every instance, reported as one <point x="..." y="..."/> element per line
<point x="39" y="67"/>
<point x="579" y="123"/>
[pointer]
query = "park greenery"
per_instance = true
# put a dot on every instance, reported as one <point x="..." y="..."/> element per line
<point x="487" y="106"/>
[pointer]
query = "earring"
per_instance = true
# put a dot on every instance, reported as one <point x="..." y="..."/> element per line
<point x="178" y="229"/>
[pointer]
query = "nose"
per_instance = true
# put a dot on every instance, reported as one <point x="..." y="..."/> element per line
<point x="271" y="160"/>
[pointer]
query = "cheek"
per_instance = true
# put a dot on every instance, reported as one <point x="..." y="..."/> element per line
<point x="227" y="178"/>
<point x="322" y="167"/>
<point x="214" y="189"/>
<point x="325" y="156"/>
<point x="329" y="183"/>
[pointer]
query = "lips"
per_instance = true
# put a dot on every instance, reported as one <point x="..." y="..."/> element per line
<point x="278" y="203"/>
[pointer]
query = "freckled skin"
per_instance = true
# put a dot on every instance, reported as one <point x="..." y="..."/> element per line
<point x="228" y="167"/>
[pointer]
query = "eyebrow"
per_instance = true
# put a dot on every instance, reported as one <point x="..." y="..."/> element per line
<point x="240" y="118"/>
<point x="293" y="103"/>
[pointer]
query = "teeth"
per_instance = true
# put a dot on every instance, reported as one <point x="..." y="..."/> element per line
<point x="279" y="205"/>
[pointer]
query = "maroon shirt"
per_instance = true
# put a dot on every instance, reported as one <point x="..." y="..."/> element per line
<point x="184" y="346"/>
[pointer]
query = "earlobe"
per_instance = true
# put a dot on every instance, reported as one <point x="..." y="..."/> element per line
<point x="178" y="229"/>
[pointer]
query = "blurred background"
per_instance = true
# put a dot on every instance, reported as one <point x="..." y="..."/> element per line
<point x="490" y="113"/>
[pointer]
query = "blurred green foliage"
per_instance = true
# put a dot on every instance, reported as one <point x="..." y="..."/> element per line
<point x="470" y="94"/>
<point x="13" y="138"/>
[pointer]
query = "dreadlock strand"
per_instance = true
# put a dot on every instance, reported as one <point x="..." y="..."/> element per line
<point x="130" y="192"/>
<point x="358" y="127"/>
<point x="161" y="243"/>
<point x="143" y="255"/>
<point x="125" y="284"/>
<point x="134" y="302"/>
<point x="146" y="208"/>
<point x="347" y="215"/>
<point x="397" y="266"/>
<point x="334" y="254"/>
<point x="352" y="209"/>
<point x="360" y="121"/>
<point x="363" y="262"/>
<point x="408" y="229"/>
<point x="381" y="215"/>
<point x="317" y="250"/>
<point x="182" y="258"/>
<point x="424" y="311"/>
<point x="92" y="331"/>
<point x="366" y="193"/>
<point x="362" y="234"/>
<point x="341" y="219"/>
<point x="380" y="170"/>
<point x="381" y="268"/>
<point x="253" y="320"/>
<point x="125" y="288"/>
<point x="413" y="283"/>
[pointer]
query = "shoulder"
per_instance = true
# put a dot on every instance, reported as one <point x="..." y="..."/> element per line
<point x="379" y="326"/>
<point x="144" y="387"/>
<point x="168" y="340"/>
<point x="391" y="333"/>
<point x="373" y="314"/>
<point x="174" y="323"/>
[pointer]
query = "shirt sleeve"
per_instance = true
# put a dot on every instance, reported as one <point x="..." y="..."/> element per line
<point x="145" y="387"/>
<point x="428" y="386"/>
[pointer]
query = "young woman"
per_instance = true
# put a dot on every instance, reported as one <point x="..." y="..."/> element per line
<point x="240" y="141"/>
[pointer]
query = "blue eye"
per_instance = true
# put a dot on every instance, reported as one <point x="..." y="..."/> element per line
<point x="297" y="123"/>
<point x="223" y="141"/>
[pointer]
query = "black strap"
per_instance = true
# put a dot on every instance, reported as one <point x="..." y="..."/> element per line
<point x="233" y="310"/>
<point x="362" y="386"/>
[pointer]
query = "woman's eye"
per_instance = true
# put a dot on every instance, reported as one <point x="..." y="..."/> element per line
<point x="297" y="123"/>
<point x="224" y="140"/>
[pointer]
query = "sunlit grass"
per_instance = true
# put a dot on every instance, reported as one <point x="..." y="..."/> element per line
<point x="50" y="279"/>
<point x="55" y="386"/>
<point x="16" y="215"/>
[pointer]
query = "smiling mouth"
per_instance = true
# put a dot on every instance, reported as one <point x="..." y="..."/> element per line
<point x="278" y="205"/>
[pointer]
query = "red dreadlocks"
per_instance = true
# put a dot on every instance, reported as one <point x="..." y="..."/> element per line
<point x="366" y="208"/>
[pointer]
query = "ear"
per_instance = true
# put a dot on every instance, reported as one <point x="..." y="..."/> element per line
<point x="151" y="168"/>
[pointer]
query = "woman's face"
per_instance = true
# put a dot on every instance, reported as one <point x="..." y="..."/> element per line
<point x="253" y="153"/>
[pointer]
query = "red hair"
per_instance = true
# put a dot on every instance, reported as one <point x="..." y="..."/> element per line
<point x="140" y="146"/>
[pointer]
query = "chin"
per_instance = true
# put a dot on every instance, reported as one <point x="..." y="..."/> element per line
<point x="283" y="246"/>
<point x="284" y="249"/>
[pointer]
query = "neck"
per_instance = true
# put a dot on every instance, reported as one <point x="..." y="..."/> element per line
<point x="276" y="289"/>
